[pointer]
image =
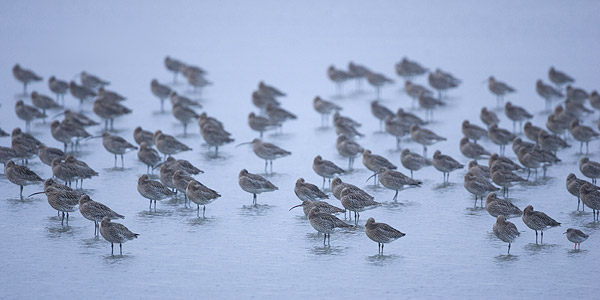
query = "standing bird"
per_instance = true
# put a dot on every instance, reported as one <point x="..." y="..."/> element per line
<point x="424" y="137"/>
<point x="377" y="81"/>
<point x="261" y="124"/>
<point x="117" y="146"/>
<point x="322" y="206"/>
<point x="397" y="128"/>
<point x="589" y="168"/>
<point x="92" y="82"/>
<point x="532" y="132"/>
<point x="115" y="233"/>
<point x="429" y="103"/>
<point x="504" y="178"/>
<point x="488" y="117"/>
<point x="357" y="201"/>
<point x="108" y="110"/>
<point x="326" y="169"/>
<point x="64" y="201"/>
<point x="559" y="78"/>
<point x="325" y="223"/>
<point x="175" y="66"/>
<point x="473" y="131"/>
<point x="479" y="170"/>
<point x="408" y="69"/>
<point x="348" y="148"/>
<point x="576" y="236"/>
<point x="413" y="161"/>
<point x="43" y="102"/>
<point x="505" y="230"/>
<point x="551" y="142"/>
<point x="214" y="134"/>
<point x="20" y="175"/>
<point x="590" y="196"/>
<point x="27" y="113"/>
<point x="140" y="135"/>
<point x="445" y="164"/>
<point x="338" y="77"/>
<point x="516" y="114"/>
<point x="308" y="191"/>
<point x="153" y="190"/>
<point x="161" y="91"/>
<point x="270" y="90"/>
<point x="478" y="186"/>
<point x="538" y="220"/>
<point x="261" y="100"/>
<point x="381" y="233"/>
<point x="414" y="90"/>
<point x="583" y="134"/>
<point x="500" y="137"/>
<point x="110" y="95"/>
<point x="168" y="145"/>
<point x="254" y="184"/>
<point x="325" y="108"/>
<point x="48" y="154"/>
<point x="499" y="89"/>
<point x="472" y="150"/>
<point x="380" y="112"/>
<point x="59" y="88"/>
<point x="501" y="207"/>
<point x="357" y="72"/>
<point x="25" y="76"/>
<point x="375" y="162"/>
<point x="80" y="92"/>
<point x="96" y="211"/>
<point x="184" y="114"/>
<point x="547" y="92"/>
<point x="574" y="185"/>
<point x="201" y="195"/>
<point x="278" y="114"/>
<point x="149" y="156"/>
<point x="267" y="151"/>
<point x="395" y="180"/>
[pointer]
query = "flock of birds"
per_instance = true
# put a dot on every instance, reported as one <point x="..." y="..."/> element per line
<point x="156" y="149"/>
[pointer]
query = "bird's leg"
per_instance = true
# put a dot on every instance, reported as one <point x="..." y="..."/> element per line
<point x="382" y="244"/>
<point x="67" y="218"/>
<point x="266" y="164"/>
<point x="162" y="105"/>
<point x="112" y="249"/>
<point x="271" y="163"/>
<point x="508" y="248"/>
<point x="254" y="199"/>
<point x="111" y="123"/>
<point x="323" y="182"/>
<point x="115" y="160"/>
<point x="411" y="173"/>
<point x="536" y="237"/>
<point x="120" y="249"/>
<point x="395" y="196"/>
<point x="198" y="211"/>
<point x="578" y="201"/>
<point x="204" y="211"/>
<point x="542" y="237"/>
<point x="21" y="193"/>
<point x="62" y="220"/>
<point x="122" y="163"/>
<point x="324" y="238"/>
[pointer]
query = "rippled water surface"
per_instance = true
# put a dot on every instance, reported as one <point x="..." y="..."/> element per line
<point x="240" y="250"/>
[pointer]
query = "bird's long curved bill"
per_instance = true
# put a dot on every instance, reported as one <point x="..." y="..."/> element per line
<point x="295" y="206"/>
<point x="246" y="143"/>
<point x="59" y="114"/>
<point x="36" y="194"/>
<point x="372" y="176"/>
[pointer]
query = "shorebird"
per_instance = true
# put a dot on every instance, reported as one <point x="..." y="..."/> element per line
<point x="589" y="169"/>
<point x="574" y="185"/>
<point x="81" y="169"/>
<point x="117" y="146"/>
<point x="547" y="92"/>
<point x="478" y="186"/>
<point x="115" y="233"/>
<point x="413" y="161"/>
<point x="108" y="95"/>
<point x="58" y="87"/>
<point x="356" y="201"/>
<point x="177" y="99"/>
<point x="375" y="162"/>
<point x="577" y="94"/>
<point x="214" y="134"/>
<point x="140" y="135"/>
<point x="261" y="100"/>
<point x="472" y="150"/>
<point x="442" y="81"/>
<point x="174" y="65"/>
<point x="20" y="175"/>
<point x="488" y="117"/>
<point x="201" y="195"/>
<point x="479" y="170"/>
<point x="325" y="108"/>
<point x="166" y="171"/>
<point x="408" y="69"/>
<point x="358" y="72"/>
<point x="499" y="89"/>
<point x="377" y="81"/>
<point x="503" y="162"/>
<point x="169" y="166"/>
<point x="445" y="164"/>
<point x="80" y="92"/>
<point x="338" y="186"/>
<point x="43" y="102"/>
<point x="576" y="236"/>
<point x="414" y="90"/>
<point x="559" y="78"/>
<point x="6" y="154"/>
<point x="325" y="223"/>
<point x="381" y="233"/>
<point x="504" y="178"/>
<point x="64" y="172"/>
<point x="168" y="145"/>
<point x="424" y="137"/>
<point x="197" y="81"/>
<point x="538" y="220"/>
<point x="500" y="137"/>
<point x="161" y="91"/>
<point x="184" y="114"/>
<point x="380" y="112"/>
<point x="181" y="179"/>
<point x="278" y="114"/>
<point x="51" y="183"/>
<point x="590" y="196"/>
<point x="270" y="90"/>
<point x="308" y="191"/>
<point x="532" y="132"/>
<point x="347" y="121"/>
<point x="595" y="100"/>
<point x="429" y="103"/>
<point x="64" y="201"/>
<point x="322" y="206"/>
<point x="108" y="110"/>
<point x="77" y="118"/>
<point x="558" y="121"/>
<point x="338" y="77"/>
<point x="397" y="128"/>
<point x="261" y="124"/>
<point x="48" y="154"/>
<point x="501" y="207"/>
<point x="24" y="144"/>
<point x="326" y="169"/>
<point x="254" y="184"/>
<point x="551" y="142"/>
<point x="92" y="82"/>
<point x="505" y="230"/>
<point x="343" y="128"/>
<point x="28" y="113"/>
<point x="516" y="114"/>
<point x="531" y="160"/>
<point x="267" y="151"/>
<point x="395" y="180"/>
<point x="25" y="76"/>
<point x="348" y="148"/>
<point x="66" y="132"/>
<point x="583" y="134"/>
<point x="148" y="156"/>
<point x="472" y="131"/>
<point x="153" y="190"/>
<point x="96" y="211"/>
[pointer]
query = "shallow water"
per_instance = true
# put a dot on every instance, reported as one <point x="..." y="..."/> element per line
<point x="240" y="250"/>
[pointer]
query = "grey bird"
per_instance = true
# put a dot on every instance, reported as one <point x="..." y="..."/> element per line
<point x="338" y="77"/>
<point x="92" y="82"/>
<point x="140" y="135"/>
<point x="7" y="154"/>
<point x="577" y="94"/>
<point x="424" y="137"/>
<point x="201" y="195"/>
<point x="322" y="206"/>
<point x="348" y="148"/>
<point x="96" y="211"/>
<point x="174" y="65"/>
<point x="356" y="201"/>
<point x="589" y="169"/>
<point x="24" y="144"/>
<point x="181" y="179"/>
<point x="68" y="132"/>
<point x="109" y="95"/>
<point x="20" y="175"/>
<point x="375" y="162"/>
<point x="213" y="132"/>
<point x="505" y="230"/>
<point x="25" y="76"/>
<point x="378" y="80"/>
<point x="445" y="164"/>
<point x="503" y="162"/>
<point x="184" y="114"/>
<point x="558" y="77"/>
<point x="278" y="114"/>
<point x="499" y="89"/>
<point x="177" y="99"/>
<point x="117" y="146"/>
<point x="325" y="108"/>
<point x="82" y="170"/>
<point x="381" y="233"/>
<point x="397" y="128"/>
<point x="48" y="154"/>
<point x="574" y="185"/>
<point x="501" y="207"/>
<point x="80" y="92"/>
<point x="380" y="112"/>
<point x="504" y="178"/>
<point x="358" y="72"/>
<point x="532" y="132"/>
<point x="576" y="236"/>
<point x="590" y="196"/>
<point x="28" y="113"/>
<point x="326" y="169"/>
<point x="267" y="151"/>
<point x="538" y="220"/>
<point x="500" y="137"/>
<point x="408" y="118"/>
<point x="547" y="92"/>
<point x="429" y="103"/>
<point x="338" y="186"/>
<point x="472" y="150"/>
<point x="153" y="190"/>
<point x="270" y="90"/>
<point x="480" y="187"/>
<point x="325" y="223"/>
<point x="472" y="131"/>
<point x="261" y="100"/>
<point x="63" y="201"/>
<point x="168" y="145"/>
<point x="261" y="124"/>
<point x="161" y="91"/>
<point x="479" y="170"/>
<point x="254" y="184"/>
<point x="115" y="233"/>
<point x="149" y="156"/>
<point x="551" y="142"/>
<point x="488" y="117"/>
<point x="109" y="110"/>
<point x="414" y="90"/>
<point x="413" y="161"/>
<point x="343" y="128"/>
<point x="337" y="117"/>
<point x="58" y="87"/>
<point x="516" y="114"/>
<point x="395" y="180"/>
<point x="43" y="102"/>
<point x="583" y="134"/>
<point x="408" y="69"/>
<point x="308" y="191"/>
<point x="78" y="118"/>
